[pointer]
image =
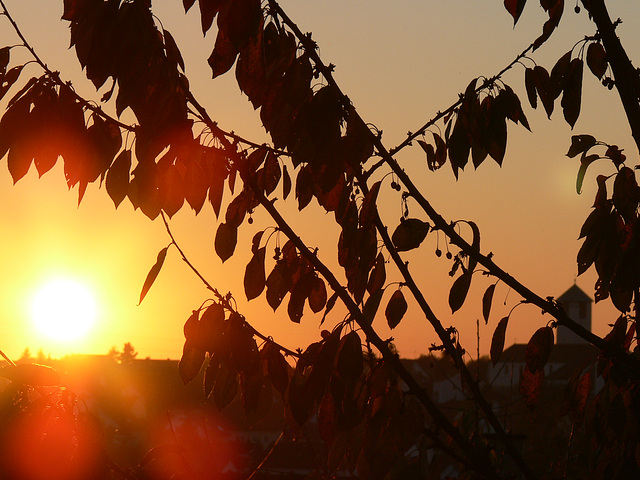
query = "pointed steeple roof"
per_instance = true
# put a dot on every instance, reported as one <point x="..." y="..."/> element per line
<point x="574" y="294"/>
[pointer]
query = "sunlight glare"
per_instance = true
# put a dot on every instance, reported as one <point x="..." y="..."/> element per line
<point x="63" y="309"/>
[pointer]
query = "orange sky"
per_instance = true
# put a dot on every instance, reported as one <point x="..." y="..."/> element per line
<point x="399" y="62"/>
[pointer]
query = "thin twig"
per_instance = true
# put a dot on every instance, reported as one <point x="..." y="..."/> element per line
<point x="266" y="457"/>
<point x="223" y="299"/>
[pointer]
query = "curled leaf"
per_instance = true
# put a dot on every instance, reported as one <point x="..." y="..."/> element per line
<point x="497" y="341"/>
<point x="487" y="298"/>
<point x="153" y="273"/>
<point x="580" y="144"/>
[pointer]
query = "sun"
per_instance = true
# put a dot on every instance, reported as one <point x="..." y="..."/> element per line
<point x="63" y="309"/>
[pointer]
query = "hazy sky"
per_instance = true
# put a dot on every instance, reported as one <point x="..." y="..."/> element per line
<point x="399" y="62"/>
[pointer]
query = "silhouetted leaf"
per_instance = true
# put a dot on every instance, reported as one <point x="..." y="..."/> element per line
<point x="350" y="361"/>
<point x="226" y="386"/>
<point x="572" y="96"/>
<point x="580" y="144"/>
<point x="559" y="75"/>
<point x="254" y="275"/>
<point x="371" y="306"/>
<point x="615" y="154"/>
<point x="396" y="308"/>
<point x="304" y="187"/>
<point x="585" y="161"/>
<point x="4" y="59"/>
<point x="329" y="306"/>
<point x="554" y="8"/>
<point x="153" y="273"/>
<point x="278" y="285"/>
<point x="530" y="86"/>
<point x="278" y="369"/>
<point x="539" y="349"/>
<point x="171" y="47"/>
<point x="409" y="234"/>
<point x="223" y="56"/>
<point x="597" y="59"/>
<point x="31" y="374"/>
<point x="191" y="362"/>
<point x="487" y="298"/>
<point x="286" y="182"/>
<point x="8" y="80"/>
<point x="317" y="294"/>
<point x="117" y="182"/>
<point x="459" y="146"/>
<point x="497" y="341"/>
<point x="368" y="209"/>
<point x="626" y="194"/>
<point x="226" y="239"/>
<point x="272" y="173"/>
<point x="515" y="7"/>
<point x="459" y="290"/>
<point x="299" y="294"/>
<point x="378" y="275"/>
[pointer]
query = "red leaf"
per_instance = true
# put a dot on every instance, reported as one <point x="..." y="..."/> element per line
<point x="497" y="341"/>
<point x="327" y="419"/>
<point x="254" y="275"/>
<point x="223" y="56"/>
<point x="531" y="385"/>
<point x="539" y="349"/>
<point x="459" y="290"/>
<point x="487" y="298"/>
<point x="226" y="239"/>
<point x="208" y="10"/>
<point x="515" y="7"/>
<point x="396" y="308"/>
<point x="153" y="273"/>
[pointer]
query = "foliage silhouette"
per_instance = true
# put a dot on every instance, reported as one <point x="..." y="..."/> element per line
<point x="370" y="408"/>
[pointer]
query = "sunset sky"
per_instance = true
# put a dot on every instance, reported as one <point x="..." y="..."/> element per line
<point x="399" y="62"/>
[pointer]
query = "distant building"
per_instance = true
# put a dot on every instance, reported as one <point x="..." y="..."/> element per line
<point x="577" y="305"/>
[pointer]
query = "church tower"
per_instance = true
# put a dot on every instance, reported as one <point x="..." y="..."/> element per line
<point x="577" y="305"/>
